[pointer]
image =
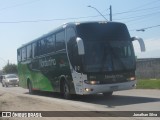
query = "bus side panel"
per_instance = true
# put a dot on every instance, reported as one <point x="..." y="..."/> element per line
<point x="35" y="76"/>
<point x="45" y="72"/>
<point x="21" y="74"/>
<point x="56" y="67"/>
<point x="51" y="68"/>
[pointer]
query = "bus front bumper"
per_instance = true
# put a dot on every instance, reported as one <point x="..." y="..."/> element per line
<point x="102" y="88"/>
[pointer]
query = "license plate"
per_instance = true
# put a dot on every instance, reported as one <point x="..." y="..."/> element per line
<point x="114" y="88"/>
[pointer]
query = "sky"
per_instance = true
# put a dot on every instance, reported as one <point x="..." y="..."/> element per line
<point x="22" y="21"/>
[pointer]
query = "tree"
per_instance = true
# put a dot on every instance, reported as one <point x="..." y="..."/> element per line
<point x="10" y="68"/>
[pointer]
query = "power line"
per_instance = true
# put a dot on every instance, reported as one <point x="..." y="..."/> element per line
<point x="48" y="20"/>
<point x="143" y="29"/>
<point x="149" y="27"/>
<point x="140" y="16"/>
<point x="143" y="17"/>
<point x="17" y="5"/>
<point x="83" y="17"/>
<point x="136" y="10"/>
<point x="153" y="2"/>
<point x="144" y="5"/>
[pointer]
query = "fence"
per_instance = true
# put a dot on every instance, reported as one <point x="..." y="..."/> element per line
<point x="148" y="68"/>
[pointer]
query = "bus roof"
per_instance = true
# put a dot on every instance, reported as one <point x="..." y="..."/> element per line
<point x="64" y="26"/>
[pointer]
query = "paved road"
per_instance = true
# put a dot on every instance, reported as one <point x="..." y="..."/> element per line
<point x="130" y="100"/>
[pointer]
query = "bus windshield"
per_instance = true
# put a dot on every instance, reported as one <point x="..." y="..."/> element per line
<point x="108" y="47"/>
<point x="108" y="56"/>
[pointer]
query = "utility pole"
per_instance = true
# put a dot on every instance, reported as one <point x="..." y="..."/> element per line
<point x="110" y="8"/>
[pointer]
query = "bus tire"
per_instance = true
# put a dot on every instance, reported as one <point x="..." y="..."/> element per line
<point x="66" y="93"/>
<point x="30" y="88"/>
<point x="107" y="94"/>
<point x="6" y="85"/>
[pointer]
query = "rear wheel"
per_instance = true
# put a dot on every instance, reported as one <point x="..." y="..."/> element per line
<point x="107" y="94"/>
<point x="66" y="93"/>
<point x="2" y="85"/>
<point x="30" y="87"/>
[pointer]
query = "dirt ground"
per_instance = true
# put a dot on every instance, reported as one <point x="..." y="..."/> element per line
<point x="15" y="99"/>
<point x="17" y="102"/>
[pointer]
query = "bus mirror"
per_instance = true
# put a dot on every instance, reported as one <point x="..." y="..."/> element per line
<point x="80" y="46"/>
<point x="141" y="43"/>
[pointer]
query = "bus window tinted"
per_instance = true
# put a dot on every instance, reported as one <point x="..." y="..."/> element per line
<point x="19" y="55"/>
<point x="23" y="53"/>
<point x="60" y="44"/>
<point x="29" y="52"/>
<point x="50" y="44"/>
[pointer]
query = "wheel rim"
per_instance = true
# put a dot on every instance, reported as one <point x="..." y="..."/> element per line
<point x="66" y="90"/>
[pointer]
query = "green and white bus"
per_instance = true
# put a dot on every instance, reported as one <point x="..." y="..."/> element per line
<point x="80" y="58"/>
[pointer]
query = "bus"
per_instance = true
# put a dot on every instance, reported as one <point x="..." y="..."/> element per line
<point x="80" y="58"/>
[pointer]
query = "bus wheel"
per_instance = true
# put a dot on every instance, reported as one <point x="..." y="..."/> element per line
<point x="6" y="85"/>
<point x="107" y="94"/>
<point x="66" y="93"/>
<point x="30" y="87"/>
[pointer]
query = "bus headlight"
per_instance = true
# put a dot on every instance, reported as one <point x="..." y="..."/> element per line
<point x="88" y="89"/>
<point x="92" y="82"/>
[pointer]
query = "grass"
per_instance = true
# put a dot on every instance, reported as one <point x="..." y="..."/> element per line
<point x="148" y="84"/>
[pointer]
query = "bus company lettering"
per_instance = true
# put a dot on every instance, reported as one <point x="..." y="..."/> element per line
<point x="47" y="63"/>
<point x="113" y="76"/>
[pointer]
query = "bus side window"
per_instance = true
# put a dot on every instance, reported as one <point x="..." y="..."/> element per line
<point x="29" y="52"/>
<point x="34" y="50"/>
<point x="24" y="54"/>
<point x="60" y="44"/>
<point x="50" y="44"/>
<point x="42" y="46"/>
<point x="19" y="55"/>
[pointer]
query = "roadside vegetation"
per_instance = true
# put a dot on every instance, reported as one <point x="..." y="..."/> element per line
<point x="148" y="84"/>
<point x="10" y="68"/>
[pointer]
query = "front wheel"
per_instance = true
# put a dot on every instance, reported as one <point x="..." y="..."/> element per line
<point x="66" y="93"/>
<point x="6" y="85"/>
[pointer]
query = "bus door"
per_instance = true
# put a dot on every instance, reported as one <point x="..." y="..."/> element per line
<point x="75" y="60"/>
